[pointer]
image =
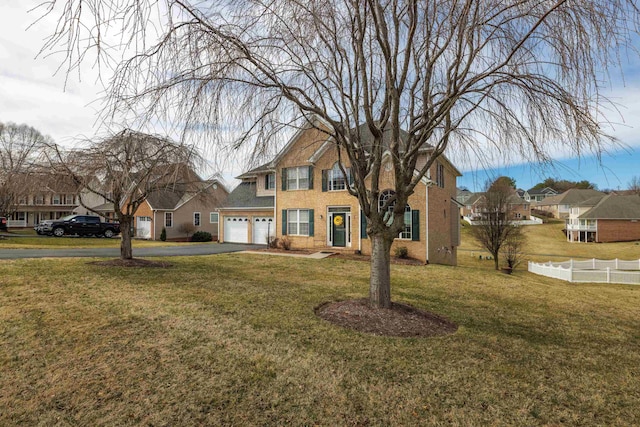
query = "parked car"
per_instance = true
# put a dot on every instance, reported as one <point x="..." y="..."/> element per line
<point x="84" y="225"/>
<point x="44" y="227"/>
<point x="3" y="223"/>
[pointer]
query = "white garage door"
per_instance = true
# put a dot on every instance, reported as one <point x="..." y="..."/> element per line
<point x="262" y="226"/>
<point x="236" y="229"/>
<point x="143" y="227"/>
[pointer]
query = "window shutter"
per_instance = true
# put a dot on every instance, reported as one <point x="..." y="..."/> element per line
<point x="311" y="222"/>
<point x="266" y="181"/>
<point x="363" y="226"/>
<point x="325" y="179"/>
<point x="415" y="226"/>
<point x="310" y="177"/>
<point x="284" y="179"/>
<point x="284" y="222"/>
<point x="349" y="177"/>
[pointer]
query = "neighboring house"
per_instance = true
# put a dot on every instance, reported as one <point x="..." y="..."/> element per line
<point x="462" y="195"/>
<point x="193" y="203"/>
<point x="539" y="194"/>
<point x="606" y="218"/>
<point x="247" y="216"/>
<point x="560" y="205"/>
<point x="521" y="193"/>
<point x="475" y="208"/>
<point x="47" y="196"/>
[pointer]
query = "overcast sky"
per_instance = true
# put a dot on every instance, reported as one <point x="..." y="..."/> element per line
<point x="32" y="92"/>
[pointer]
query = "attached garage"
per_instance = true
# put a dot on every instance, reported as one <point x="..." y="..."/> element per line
<point x="263" y="226"/>
<point x="143" y="227"/>
<point x="236" y="229"/>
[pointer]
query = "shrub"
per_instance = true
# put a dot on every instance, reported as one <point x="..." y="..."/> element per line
<point x="201" y="236"/>
<point x="402" y="252"/>
<point x="163" y="234"/>
<point x="187" y="228"/>
<point x="285" y="243"/>
<point x="274" y="243"/>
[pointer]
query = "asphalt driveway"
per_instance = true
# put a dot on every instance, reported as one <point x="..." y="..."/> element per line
<point x="190" y="250"/>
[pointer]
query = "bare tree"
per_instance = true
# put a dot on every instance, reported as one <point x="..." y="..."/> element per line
<point x="634" y="184"/>
<point x="19" y="148"/>
<point x="124" y="170"/>
<point x="512" y="250"/>
<point x="496" y="225"/>
<point x="474" y="75"/>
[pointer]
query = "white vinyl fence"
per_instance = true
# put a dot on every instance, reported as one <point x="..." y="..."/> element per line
<point x="591" y="271"/>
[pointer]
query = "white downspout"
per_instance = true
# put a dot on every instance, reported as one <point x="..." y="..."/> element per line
<point x="360" y="233"/>
<point x="426" y="216"/>
<point x="275" y="203"/>
<point x="154" y="225"/>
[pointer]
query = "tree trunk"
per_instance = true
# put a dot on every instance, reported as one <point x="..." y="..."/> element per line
<point x="125" y="244"/>
<point x="380" y="281"/>
<point x="495" y="260"/>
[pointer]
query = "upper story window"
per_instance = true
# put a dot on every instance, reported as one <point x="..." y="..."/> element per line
<point x="439" y="175"/>
<point x="270" y="181"/>
<point x="337" y="180"/>
<point x="56" y="199"/>
<point x="39" y="199"/>
<point x="298" y="178"/>
<point x="407" y="231"/>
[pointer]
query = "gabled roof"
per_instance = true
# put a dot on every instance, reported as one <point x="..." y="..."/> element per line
<point x="545" y="190"/>
<point x="173" y="198"/>
<point x="474" y="198"/>
<point x="615" y="207"/>
<point x="367" y="138"/>
<point x="244" y="196"/>
<point x="253" y="173"/>
<point x="572" y="197"/>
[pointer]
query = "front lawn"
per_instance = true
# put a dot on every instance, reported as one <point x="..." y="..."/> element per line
<point x="74" y="242"/>
<point x="233" y="340"/>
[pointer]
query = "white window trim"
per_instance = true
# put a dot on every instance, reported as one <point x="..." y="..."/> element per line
<point x="168" y="215"/>
<point x="271" y="185"/>
<point x="211" y="214"/>
<point x="199" y="219"/>
<point x="297" y="222"/>
<point x="407" y="225"/>
<point x="334" y="174"/>
<point x="297" y="179"/>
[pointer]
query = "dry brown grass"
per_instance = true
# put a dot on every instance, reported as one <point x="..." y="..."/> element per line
<point x="233" y="340"/>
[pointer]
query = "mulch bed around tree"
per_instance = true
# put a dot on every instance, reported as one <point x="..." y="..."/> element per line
<point x="134" y="262"/>
<point x="400" y="320"/>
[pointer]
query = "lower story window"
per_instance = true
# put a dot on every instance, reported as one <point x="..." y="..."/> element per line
<point x="168" y="219"/>
<point x="196" y="219"/>
<point x="298" y="222"/>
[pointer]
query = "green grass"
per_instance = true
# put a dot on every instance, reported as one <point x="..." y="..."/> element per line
<point x="233" y="340"/>
<point x="547" y="242"/>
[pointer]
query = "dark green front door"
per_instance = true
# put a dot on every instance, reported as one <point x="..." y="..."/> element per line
<point x="339" y="225"/>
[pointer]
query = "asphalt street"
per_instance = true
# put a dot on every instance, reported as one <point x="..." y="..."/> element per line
<point x="160" y="251"/>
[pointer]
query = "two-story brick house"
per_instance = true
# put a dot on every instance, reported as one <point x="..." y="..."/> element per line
<point x="313" y="209"/>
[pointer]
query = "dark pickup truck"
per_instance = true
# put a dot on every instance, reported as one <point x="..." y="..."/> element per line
<point x="84" y="225"/>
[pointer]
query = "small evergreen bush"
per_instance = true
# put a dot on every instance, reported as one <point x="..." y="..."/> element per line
<point x="201" y="236"/>
<point x="163" y="234"/>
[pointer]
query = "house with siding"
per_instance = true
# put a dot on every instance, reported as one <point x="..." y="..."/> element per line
<point x="605" y="218"/>
<point x="560" y="205"/>
<point x="538" y="194"/>
<point x="194" y="203"/>
<point x="313" y="209"/>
